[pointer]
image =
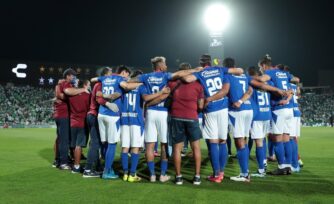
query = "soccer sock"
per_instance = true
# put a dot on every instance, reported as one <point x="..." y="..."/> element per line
<point x="271" y="150"/>
<point x="222" y="156"/>
<point x="229" y="145"/>
<point x="150" y="165"/>
<point x="294" y="146"/>
<point x="250" y="144"/>
<point x="243" y="155"/>
<point x="260" y="157"/>
<point x="164" y="166"/>
<point x="279" y="151"/>
<point x="288" y="152"/>
<point x="110" y="155"/>
<point x="134" y="163"/>
<point x="125" y="162"/>
<point x="265" y="147"/>
<point x="214" y="154"/>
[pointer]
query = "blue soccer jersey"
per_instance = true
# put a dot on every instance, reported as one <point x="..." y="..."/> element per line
<point x="261" y="105"/>
<point x="238" y="87"/>
<point x="280" y="79"/>
<point x="212" y="80"/>
<point x="294" y="101"/>
<point x="111" y="85"/>
<point x="132" y="107"/>
<point x="155" y="82"/>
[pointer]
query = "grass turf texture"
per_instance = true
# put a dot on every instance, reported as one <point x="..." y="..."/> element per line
<point x="26" y="176"/>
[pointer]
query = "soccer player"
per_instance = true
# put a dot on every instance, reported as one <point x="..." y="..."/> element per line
<point x="95" y="143"/>
<point x="156" y="116"/>
<point x="61" y="115"/>
<point x="261" y="117"/>
<point x="282" y="114"/>
<point x="109" y="120"/>
<point x="240" y="117"/>
<point x="79" y="106"/>
<point x="213" y="80"/>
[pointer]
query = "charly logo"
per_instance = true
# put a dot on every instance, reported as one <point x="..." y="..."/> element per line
<point x="17" y="69"/>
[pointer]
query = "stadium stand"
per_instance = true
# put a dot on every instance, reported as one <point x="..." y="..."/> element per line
<point x="19" y="109"/>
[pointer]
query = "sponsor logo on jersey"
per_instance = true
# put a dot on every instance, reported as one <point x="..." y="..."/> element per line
<point x="155" y="80"/>
<point x="281" y="75"/>
<point x="210" y="73"/>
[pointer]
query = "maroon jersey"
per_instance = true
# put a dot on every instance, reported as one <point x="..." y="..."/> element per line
<point x="79" y="106"/>
<point x="95" y="101"/>
<point x="61" y="105"/>
<point x="185" y="99"/>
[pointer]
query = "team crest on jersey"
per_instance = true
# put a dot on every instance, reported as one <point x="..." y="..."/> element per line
<point x="210" y="73"/>
<point x="281" y="75"/>
<point x="155" y="80"/>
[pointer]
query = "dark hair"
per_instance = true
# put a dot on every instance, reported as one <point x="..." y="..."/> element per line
<point x="252" y="71"/>
<point x="280" y="66"/>
<point x="228" y="62"/>
<point x="122" y="68"/>
<point x="104" y="71"/>
<point x="205" y="60"/>
<point x="136" y="73"/>
<point x="266" y="60"/>
<point x="286" y="68"/>
<point x="82" y="83"/>
<point x="156" y="60"/>
<point x="184" y="66"/>
<point x="68" y="72"/>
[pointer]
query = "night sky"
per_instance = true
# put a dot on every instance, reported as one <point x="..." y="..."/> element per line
<point x="297" y="33"/>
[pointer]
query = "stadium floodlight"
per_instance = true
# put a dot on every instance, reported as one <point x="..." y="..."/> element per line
<point x="216" y="17"/>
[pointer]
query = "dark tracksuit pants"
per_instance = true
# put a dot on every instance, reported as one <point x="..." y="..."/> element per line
<point x="95" y="143"/>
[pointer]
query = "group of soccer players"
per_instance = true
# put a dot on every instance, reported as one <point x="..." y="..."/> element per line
<point x="132" y="108"/>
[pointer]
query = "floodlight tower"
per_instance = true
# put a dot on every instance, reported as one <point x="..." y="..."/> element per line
<point x="216" y="19"/>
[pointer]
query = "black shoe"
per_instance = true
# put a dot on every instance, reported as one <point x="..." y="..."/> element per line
<point x="55" y="164"/>
<point x="179" y="180"/>
<point x="278" y="172"/>
<point x="65" y="167"/>
<point x="76" y="170"/>
<point x="288" y="170"/>
<point x="91" y="174"/>
<point x="197" y="180"/>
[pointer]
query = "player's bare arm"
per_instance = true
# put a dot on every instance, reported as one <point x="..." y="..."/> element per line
<point x="183" y="73"/>
<point x="244" y="98"/>
<point x="235" y="71"/>
<point x="220" y="94"/>
<point x="110" y="97"/>
<point x="262" y="78"/>
<point x="59" y="95"/>
<point x="74" y="91"/>
<point x="149" y="97"/>
<point x="129" y="86"/>
<point x="266" y="87"/>
<point x="200" y="105"/>
<point x="189" y="78"/>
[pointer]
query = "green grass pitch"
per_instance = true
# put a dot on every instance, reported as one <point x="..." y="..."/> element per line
<point x="26" y="176"/>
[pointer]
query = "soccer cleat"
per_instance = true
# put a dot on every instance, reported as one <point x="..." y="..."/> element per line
<point x="76" y="170"/>
<point x="153" y="178"/>
<point x="278" y="172"/>
<point x="109" y="175"/>
<point x="197" y="180"/>
<point x="259" y="174"/>
<point x="241" y="178"/>
<point x="183" y="154"/>
<point x="134" y="178"/>
<point x="90" y="174"/>
<point x="288" y="170"/>
<point x="271" y="159"/>
<point x="55" y="164"/>
<point x="65" y="167"/>
<point x="164" y="178"/>
<point x="215" y="179"/>
<point x="295" y="170"/>
<point x="125" y="177"/>
<point x="178" y="180"/>
<point x="301" y="164"/>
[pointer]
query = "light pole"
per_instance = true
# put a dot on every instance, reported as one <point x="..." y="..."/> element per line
<point x="216" y="19"/>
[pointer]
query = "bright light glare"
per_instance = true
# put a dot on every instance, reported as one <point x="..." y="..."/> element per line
<point x="216" y="17"/>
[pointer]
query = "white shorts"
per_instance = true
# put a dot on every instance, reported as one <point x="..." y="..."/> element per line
<point x="215" y="125"/>
<point x="240" y="123"/>
<point x="281" y="122"/>
<point x="260" y="129"/>
<point x="295" y="127"/>
<point x="109" y="127"/>
<point x="132" y="136"/>
<point x="156" y="126"/>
